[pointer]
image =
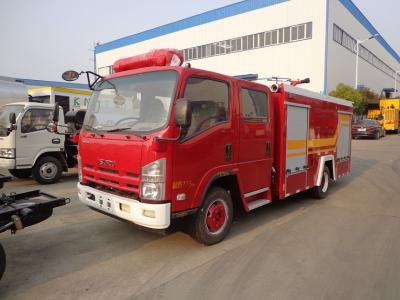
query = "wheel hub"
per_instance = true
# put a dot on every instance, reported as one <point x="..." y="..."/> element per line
<point x="216" y="217"/>
<point x="48" y="170"/>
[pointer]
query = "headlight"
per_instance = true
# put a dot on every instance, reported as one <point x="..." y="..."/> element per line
<point x="7" y="152"/>
<point x="153" y="180"/>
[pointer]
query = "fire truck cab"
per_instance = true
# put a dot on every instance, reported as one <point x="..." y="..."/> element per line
<point x="161" y="141"/>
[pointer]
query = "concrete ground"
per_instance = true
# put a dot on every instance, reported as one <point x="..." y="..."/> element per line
<point x="344" y="247"/>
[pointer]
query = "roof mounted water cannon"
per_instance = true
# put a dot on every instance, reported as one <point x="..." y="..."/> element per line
<point x="155" y="58"/>
<point x="298" y="81"/>
<point x="275" y="87"/>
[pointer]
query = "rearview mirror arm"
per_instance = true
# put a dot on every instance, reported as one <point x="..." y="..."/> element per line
<point x="158" y="139"/>
<point x="92" y="84"/>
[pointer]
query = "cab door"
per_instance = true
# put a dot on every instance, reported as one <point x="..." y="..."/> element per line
<point x="255" y="144"/>
<point x="208" y="146"/>
<point x="32" y="137"/>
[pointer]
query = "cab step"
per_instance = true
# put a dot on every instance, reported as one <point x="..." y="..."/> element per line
<point x="258" y="203"/>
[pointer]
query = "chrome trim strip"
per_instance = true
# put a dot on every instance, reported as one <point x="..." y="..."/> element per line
<point x="256" y="192"/>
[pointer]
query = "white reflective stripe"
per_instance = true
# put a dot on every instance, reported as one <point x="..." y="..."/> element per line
<point x="256" y="192"/>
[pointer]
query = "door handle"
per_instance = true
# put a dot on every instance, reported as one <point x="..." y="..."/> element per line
<point x="228" y="152"/>
<point x="268" y="149"/>
<point x="23" y="136"/>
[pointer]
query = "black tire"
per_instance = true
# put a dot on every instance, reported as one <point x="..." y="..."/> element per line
<point x="320" y="192"/>
<point x="214" y="219"/>
<point x="377" y="135"/>
<point x="2" y="261"/>
<point x="21" y="173"/>
<point x="47" y="170"/>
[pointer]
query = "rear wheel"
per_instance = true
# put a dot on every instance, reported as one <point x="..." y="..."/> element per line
<point x="214" y="219"/>
<point x="47" y="170"/>
<point x="320" y="192"/>
<point x="21" y="173"/>
<point x="2" y="261"/>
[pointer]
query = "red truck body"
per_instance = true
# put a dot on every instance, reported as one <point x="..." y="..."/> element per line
<point x="253" y="159"/>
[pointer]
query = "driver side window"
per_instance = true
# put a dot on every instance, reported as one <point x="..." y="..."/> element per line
<point x="210" y="103"/>
<point x="35" y="120"/>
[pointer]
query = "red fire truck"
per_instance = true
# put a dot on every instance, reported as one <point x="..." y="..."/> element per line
<point x="161" y="141"/>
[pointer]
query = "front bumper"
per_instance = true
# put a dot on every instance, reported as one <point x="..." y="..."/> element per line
<point x="134" y="211"/>
<point x="7" y="163"/>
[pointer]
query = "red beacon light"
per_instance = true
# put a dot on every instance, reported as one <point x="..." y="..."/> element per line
<point x="155" y="58"/>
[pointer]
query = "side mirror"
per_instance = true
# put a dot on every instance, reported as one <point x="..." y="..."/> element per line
<point x="183" y="113"/>
<point x="13" y="118"/>
<point x="70" y="75"/>
<point x="56" y="113"/>
<point x="52" y="127"/>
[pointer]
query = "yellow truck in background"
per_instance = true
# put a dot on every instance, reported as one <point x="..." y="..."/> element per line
<point x="388" y="113"/>
<point x="390" y="109"/>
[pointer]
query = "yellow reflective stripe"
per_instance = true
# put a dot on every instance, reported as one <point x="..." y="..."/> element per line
<point x="322" y="142"/>
<point x="72" y="91"/>
<point x="345" y="118"/>
<point x="296" y="154"/>
<point x="297" y="144"/>
<point x="321" y="150"/>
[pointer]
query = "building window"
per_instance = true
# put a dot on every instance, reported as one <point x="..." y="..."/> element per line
<point x="244" y="43"/>
<point x="105" y="71"/>
<point x="253" y="41"/>
<point x="287" y="35"/>
<point x="250" y="42"/>
<point x="309" y="30"/>
<point x="347" y="41"/>
<point x="294" y="33"/>
<point x="281" y="36"/>
<point x="268" y="37"/>
<point x="261" y="38"/>
<point x="274" y="37"/>
<point x="301" y="32"/>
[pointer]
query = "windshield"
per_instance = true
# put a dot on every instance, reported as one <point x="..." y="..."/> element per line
<point x="139" y="103"/>
<point x="5" y="112"/>
<point x="366" y="122"/>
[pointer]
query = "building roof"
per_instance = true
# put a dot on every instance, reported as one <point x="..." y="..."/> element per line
<point x="34" y="82"/>
<point x="229" y="11"/>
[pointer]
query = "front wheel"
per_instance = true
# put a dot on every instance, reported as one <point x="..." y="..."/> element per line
<point x="47" y="170"/>
<point x="320" y="192"/>
<point x="2" y="261"/>
<point x="214" y="219"/>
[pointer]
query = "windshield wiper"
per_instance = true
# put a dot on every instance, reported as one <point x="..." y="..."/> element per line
<point x="123" y="129"/>
<point x="119" y="129"/>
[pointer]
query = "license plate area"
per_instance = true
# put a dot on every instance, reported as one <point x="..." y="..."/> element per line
<point x="362" y="129"/>
<point x="103" y="202"/>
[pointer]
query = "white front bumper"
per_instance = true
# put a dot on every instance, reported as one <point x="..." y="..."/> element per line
<point x="7" y="163"/>
<point x="111" y="204"/>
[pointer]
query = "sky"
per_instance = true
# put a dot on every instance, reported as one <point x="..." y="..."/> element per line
<point x="39" y="39"/>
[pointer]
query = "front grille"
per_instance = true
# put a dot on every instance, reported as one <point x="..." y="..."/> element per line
<point x="108" y="171"/>
<point x="111" y="180"/>
<point x="113" y="191"/>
